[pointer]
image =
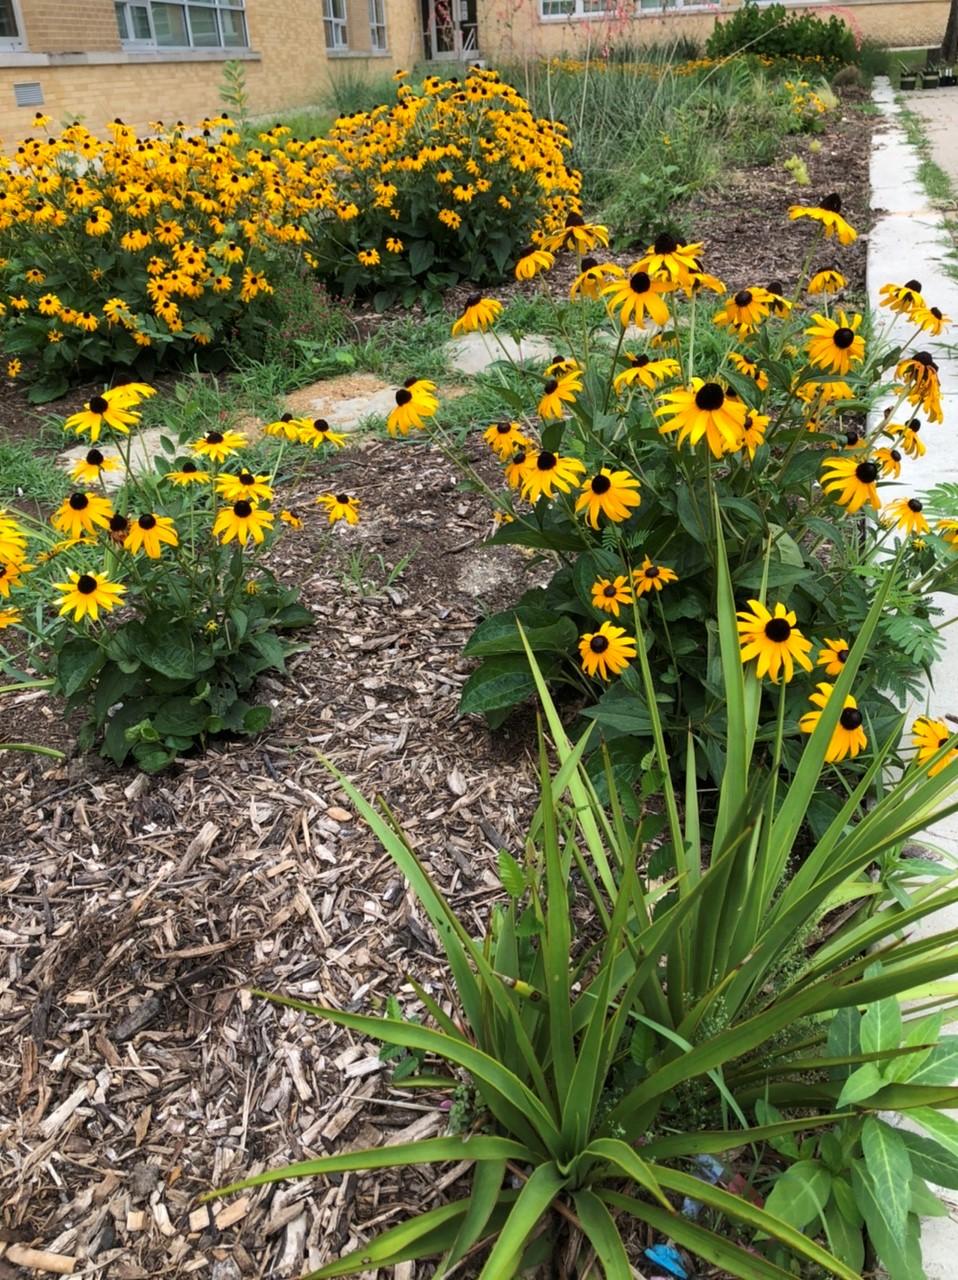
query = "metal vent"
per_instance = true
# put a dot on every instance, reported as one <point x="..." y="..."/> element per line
<point x="28" y="95"/>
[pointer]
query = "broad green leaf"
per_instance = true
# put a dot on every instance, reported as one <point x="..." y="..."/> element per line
<point x="881" y="1026"/>
<point x="844" y="1238"/>
<point x="943" y="1128"/>
<point x="484" y="1194"/>
<point x="920" y="1031"/>
<point x="888" y="1169"/>
<point x="599" y="1226"/>
<point x="532" y="1203"/>
<point x="511" y="874"/>
<point x="498" y="683"/>
<point x="844" y="1039"/>
<point x="924" y="1202"/>
<point x="900" y="1255"/>
<point x="541" y="627"/>
<point x="930" y="1160"/>
<point x="77" y="664"/>
<point x="861" y="1084"/>
<point x="940" y="1066"/>
<point x="800" y="1194"/>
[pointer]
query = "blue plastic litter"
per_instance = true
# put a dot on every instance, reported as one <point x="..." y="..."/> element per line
<point x="667" y="1257"/>
<point x="709" y="1168"/>
<point x="691" y="1208"/>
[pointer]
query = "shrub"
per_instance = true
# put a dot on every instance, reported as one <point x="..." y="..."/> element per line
<point x="140" y="252"/>
<point x="443" y="185"/>
<point x="757" y="402"/>
<point x="773" y="32"/>
<point x="617" y="1035"/>
<point x="154" y="610"/>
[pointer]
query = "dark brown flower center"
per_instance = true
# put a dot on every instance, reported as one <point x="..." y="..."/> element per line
<point x="86" y="584"/>
<point x="98" y="404"/>
<point x="609" y="591"/>
<point x="664" y="243"/>
<point x="894" y="455"/>
<point x="526" y="250"/>
<point x="588" y="263"/>
<point x="652" y="571"/>
<point x="189" y="468"/>
<point x="503" y="428"/>
<point x="551" y="387"/>
<point x="936" y="312"/>
<point x="119" y="524"/>
<point x="709" y="397"/>
<point x="575" y="220"/>
<point x="147" y="521"/>
<point x="287" y="417"/>
<point x="79" y="501"/>
<point x="601" y="484"/>
<point x="639" y="362"/>
<point x="243" y="509"/>
<point x="842" y="655"/>
<point x="214" y="437"/>
<point x="743" y="297"/>
<point x="914" y="505"/>
<point x="640" y="282"/>
<point x="913" y="284"/>
<point x="843" y="337"/>
<point x="832" y="203"/>
<point x="851" y="718"/>
<point x="777" y="630"/>
<point x="852" y="437"/>
<point x="546" y="461"/>
<point x="599" y="644"/>
<point x="473" y="300"/>
<point x="775" y="286"/>
<point x="866" y="472"/>
<point x="342" y="499"/>
<point x="94" y="458"/>
<point x="403" y="396"/>
<point x="246" y="478"/>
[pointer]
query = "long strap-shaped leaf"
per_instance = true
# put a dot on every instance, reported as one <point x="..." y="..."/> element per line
<point x="628" y="1161"/>
<point x="420" y="1237"/>
<point x="742" y="1209"/>
<point x="531" y="1206"/>
<point x="599" y="1226"/>
<point x="512" y="1102"/>
<point x="715" y="1141"/>
<point x="720" y="1251"/>
<point x="484" y="1195"/>
<point x="426" y="1151"/>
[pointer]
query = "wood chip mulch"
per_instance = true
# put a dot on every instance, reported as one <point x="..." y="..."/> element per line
<point x="136" y="913"/>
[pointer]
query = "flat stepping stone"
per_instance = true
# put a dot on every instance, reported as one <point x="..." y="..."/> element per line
<point x="476" y="352"/>
<point x="345" y="402"/>
<point x="144" y="448"/>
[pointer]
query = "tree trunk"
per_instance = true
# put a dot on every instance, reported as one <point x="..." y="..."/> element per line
<point x="949" y="45"/>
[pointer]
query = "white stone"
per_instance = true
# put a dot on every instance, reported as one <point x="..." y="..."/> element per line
<point x="144" y="447"/>
<point x="477" y="352"/>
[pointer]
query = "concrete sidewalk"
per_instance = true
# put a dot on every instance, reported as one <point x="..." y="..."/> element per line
<point x="938" y="109"/>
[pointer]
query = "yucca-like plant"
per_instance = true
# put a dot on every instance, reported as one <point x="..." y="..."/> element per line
<point x="614" y="1028"/>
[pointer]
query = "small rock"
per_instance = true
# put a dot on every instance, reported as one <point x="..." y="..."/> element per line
<point x="339" y="815"/>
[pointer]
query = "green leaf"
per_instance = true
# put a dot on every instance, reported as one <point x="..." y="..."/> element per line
<point x="888" y="1169"/>
<point x="179" y="716"/>
<point x="77" y="663"/>
<point x="256" y="719"/>
<point x="599" y="1225"/>
<point x="484" y="1194"/>
<point x="172" y="653"/>
<point x="863" y="1083"/>
<point x="500" y="682"/>
<point x="511" y="874"/>
<point x="881" y="1026"/>
<point x="924" y="1202"/>
<point x="500" y="633"/>
<point x="533" y="1202"/>
<point x="844" y="1039"/>
<point x="844" y="1238"/>
<point x="944" y="1129"/>
<point x="800" y="1194"/>
<point x="422" y="254"/>
<point x="940" y="1066"/>
<point x="900" y="1255"/>
<point x="418" y="1237"/>
<point x="930" y="1160"/>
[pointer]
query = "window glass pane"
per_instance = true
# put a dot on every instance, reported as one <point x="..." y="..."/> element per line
<point x="140" y="22"/>
<point x="169" y="23"/>
<point x="120" y="21"/>
<point x="234" y="28"/>
<point x="203" y="25"/>
<point x="8" y="21"/>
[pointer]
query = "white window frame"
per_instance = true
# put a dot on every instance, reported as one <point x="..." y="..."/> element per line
<point x="214" y="6"/>
<point x="378" y="38"/>
<point x="14" y="44"/>
<point x="335" y="26"/>
<point x="562" y="10"/>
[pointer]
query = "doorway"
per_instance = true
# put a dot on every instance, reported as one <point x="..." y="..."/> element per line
<point x="451" y="30"/>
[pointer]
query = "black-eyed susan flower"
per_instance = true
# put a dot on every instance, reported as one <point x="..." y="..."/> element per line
<point x="150" y="533"/>
<point x="612" y="494"/>
<point x="608" y="594"/>
<point x="188" y="473"/>
<point x="479" y="315"/>
<point x="544" y="472"/>
<point x="558" y="392"/>
<point x="699" y="280"/>
<point x="645" y="371"/>
<point x="118" y="528"/>
<point x="340" y="506"/>
<point x="828" y="214"/>
<point x="649" y="577"/>
<point x="852" y="481"/>
<point x="292" y="519"/>
<point x="317" y="431"/>
<point x="919" y="373"/>
<point x="13" y="540"/>
<point x="368" y="257"/>
<point x="287" y="426"/>
<point x="929" y="737"/>
<point x="750" y="368"/>
<point x="90" y="468"/>
<point x="704" y="409"/>
<point x="531" y="260"/>
<point x="218" y="445"/>
<point x="106" y="410"/>
<point x="129" y="394"/>
<point x="848" y="738"/>
<point x="577" y="234"/>
<point x="754" y="427"/>
<point x="826" y="282"/>
<point x="835" y="345"/>
<point x="890" y="462"/>
<point x="87" y="593"/>
<point x="415" y="401"/>
<point x="636" y="296"/>
<point x="832" y="656"/>
<point x="932" y="319"/>
<point x="517" y="466"/>
<point x="243" y="521"/>
<point x="948" y="529"/>
<point x="81" y="515"/>
<point x="779" y="304"/>
<point x="559" y="365"/>
<point x="11" y="571"/>
<point x="593" y="275"/>
<point x="911" y="442"/>
<point x="773" y="639"/>
<point x="901" y="298"/>
<point x="243" y="485"/>
<point x="9" y="618"/>
<point x="667" y="257"/>
<point x="745" y="310"/>
<point x="14" y="368"/>
<point x="907" y="515"/>
<point x="505" y="438"/>
<point x="606" y="652"/>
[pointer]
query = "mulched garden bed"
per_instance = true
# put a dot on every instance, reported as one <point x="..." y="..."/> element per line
<point x="136" y="913"/>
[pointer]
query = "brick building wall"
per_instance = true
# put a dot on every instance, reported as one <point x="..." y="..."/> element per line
<point x="72" y="50"/>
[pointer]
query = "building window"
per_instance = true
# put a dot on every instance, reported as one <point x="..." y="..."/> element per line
<point x="11" y="32"/>
<point x="334" y="20"/>
<point x="204" y="24"/>
<point x="377" y="26"/>
<point x="573" y="8"/>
